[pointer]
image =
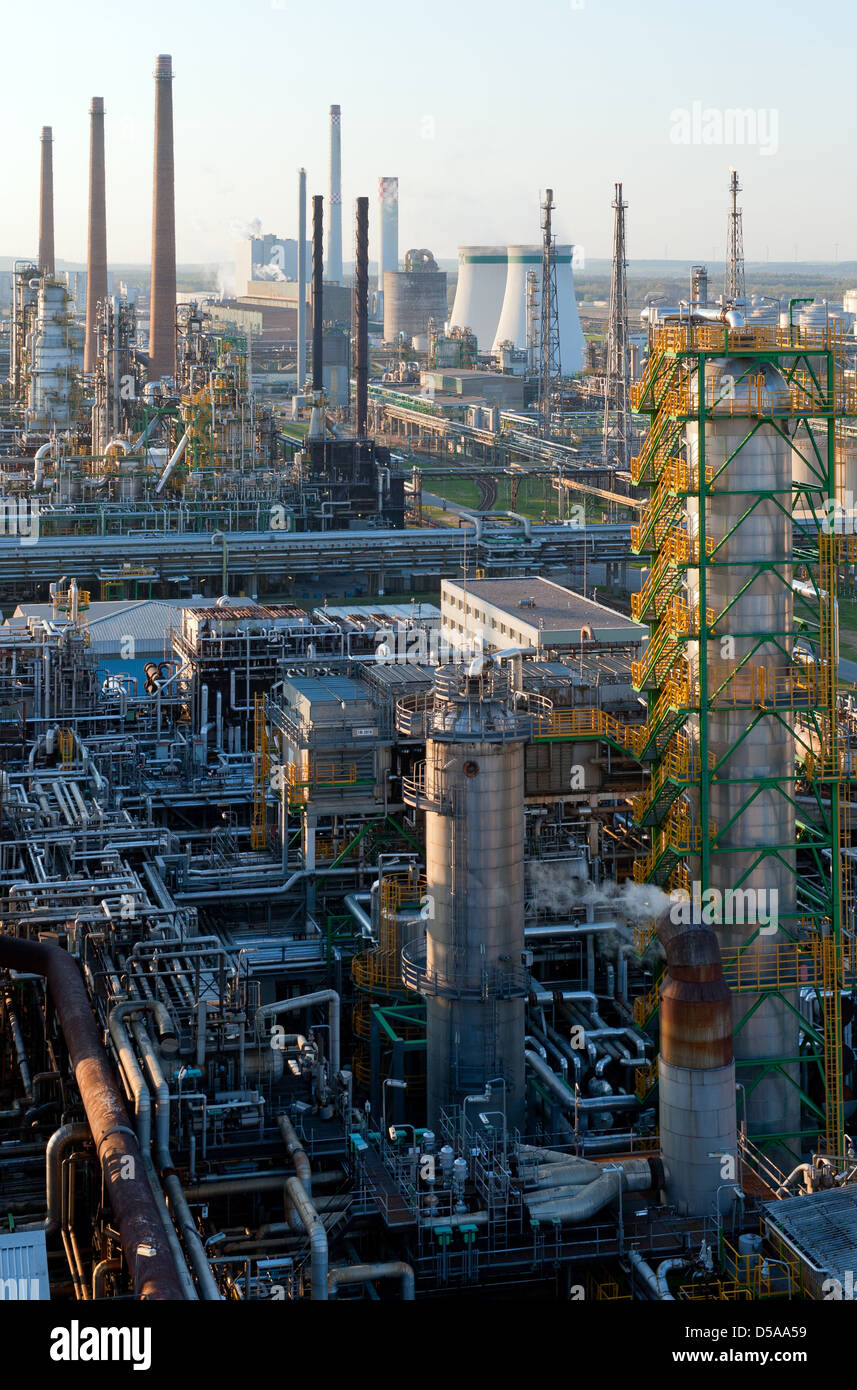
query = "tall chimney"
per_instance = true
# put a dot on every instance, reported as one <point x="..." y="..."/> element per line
<point x="46" y="205"/>
<point x="317" y="292"/>
<point x="388" y="228"/>
<point x="361" y="315"/>
<point x="96" y="256"/>
<point x="334" y="241"/>
<point x="162" y="294"/>
<point x="301" y="279"/>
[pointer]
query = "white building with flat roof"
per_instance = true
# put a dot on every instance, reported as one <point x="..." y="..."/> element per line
<point x="530" y="615"/>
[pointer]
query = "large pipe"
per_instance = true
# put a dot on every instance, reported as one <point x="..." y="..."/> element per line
<point x="361" y="315"/>
<point x="181" y="1211"/>
<point x="296" y="1152"/>
<point x="162" y="299"/>
<point x="314" y="1228"/>
<point x="334" y="248"/>
<point x="364" y="1274"/>
<point x="60" y="1141"/>
<point x="317" y="292"/>
<point x="46" y="205"/>
<point x="633" y="1175"/>
<point x="301" y="279"/>
<point x="115" y="1141"/>
<point x="96" y="255"/>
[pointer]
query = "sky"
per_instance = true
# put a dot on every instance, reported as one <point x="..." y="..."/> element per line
<point x="475" y="105"/>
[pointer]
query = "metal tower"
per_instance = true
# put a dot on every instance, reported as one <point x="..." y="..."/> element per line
<point x="533" y="313"/>
<point x="743" y="432"/>
<point x="733" y="286"/>
<point x="551" y="368"/>
<point x="616" y="436"/>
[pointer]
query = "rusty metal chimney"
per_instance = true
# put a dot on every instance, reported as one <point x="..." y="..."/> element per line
<point x="361" y="315"/>
<point x="696" y="1070"/>
<point x="162" y="297"/>
<point x="96" y="256"/>
<point x="46" y="205"/>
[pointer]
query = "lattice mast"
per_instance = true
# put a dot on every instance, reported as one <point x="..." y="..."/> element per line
<point x="734" y="285"/>
<point x="551" y="367"/>
<point x="616" y="435"/>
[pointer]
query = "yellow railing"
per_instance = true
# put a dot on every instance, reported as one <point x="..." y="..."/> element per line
<point x="645" y="1078"/>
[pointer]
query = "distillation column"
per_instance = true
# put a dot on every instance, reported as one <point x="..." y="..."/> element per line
<point x="746" y="741"/>
<point x="472" y="974"/>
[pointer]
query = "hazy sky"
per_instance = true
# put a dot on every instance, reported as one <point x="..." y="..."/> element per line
<point x="475" y="105"/>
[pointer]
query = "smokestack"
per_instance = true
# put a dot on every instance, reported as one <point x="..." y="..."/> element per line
<point x="388" y="228"/>
<point x="46" y="205"/>
<point x="301" y="278"/>
<point x="361" y="315"/>
<point x="696" y="1069"/>
<point x="96" y="256"/>
<point x="317" y="291"/>
<point x="334" y="245"/>
<point x="162" y="298"/>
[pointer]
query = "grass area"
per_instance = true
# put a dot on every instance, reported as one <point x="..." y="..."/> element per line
<point x="536" y="498"/>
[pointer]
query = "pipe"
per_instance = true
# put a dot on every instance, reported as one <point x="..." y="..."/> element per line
<point x="648" y="1276"/>
<point x="663" y="1270"/>
<point x="305" y="1001"/>
<point x="634" y="1175"/>
<point x="566" y="1096"/>
<point x="352" y="904"/>
<point x="61" y="1140"/>
<point x="181" y="1211"/>
<point x="296" y="1152"/>
<point x="314" y="1228"/>
<point x="115" y="1142"/>
<point x="174" y="459"/>
<point x="38" y="470"/>
<point x="363" y="1274"/>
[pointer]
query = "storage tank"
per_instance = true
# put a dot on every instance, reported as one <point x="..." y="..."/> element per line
<point x="470" y="969"/>
<point x="479" y="292"/>
<point x="512" y="326"/>
<point x="413" y="296"/>
<point x="752" y="748"/>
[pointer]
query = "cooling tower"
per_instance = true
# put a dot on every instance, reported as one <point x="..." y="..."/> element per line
<point x="479" y="292"/>
<point x="96" y="256"/>
<point x="162" y="313"/>
<point x="388" y="228"/>
<point x="512" y="326"/>
<point x="46" y="205"/>
<point x="334" y="236"/>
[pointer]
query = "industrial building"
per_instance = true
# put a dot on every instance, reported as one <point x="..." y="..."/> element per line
<point x="419" y="907"/>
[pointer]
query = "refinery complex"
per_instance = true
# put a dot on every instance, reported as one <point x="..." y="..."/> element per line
<point x="426" y="764"/>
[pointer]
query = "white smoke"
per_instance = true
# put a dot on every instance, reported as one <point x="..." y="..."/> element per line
<point x="561" y="888"/>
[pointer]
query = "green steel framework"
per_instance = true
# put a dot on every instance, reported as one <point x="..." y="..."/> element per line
<point x="675" y="393"/>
